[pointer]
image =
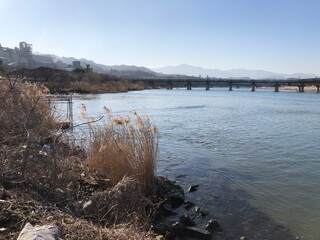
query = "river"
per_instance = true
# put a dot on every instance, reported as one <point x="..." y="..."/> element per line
<point x="255" y="155"/>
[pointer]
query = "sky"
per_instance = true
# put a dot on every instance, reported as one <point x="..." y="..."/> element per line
<point x="274" y="35"/>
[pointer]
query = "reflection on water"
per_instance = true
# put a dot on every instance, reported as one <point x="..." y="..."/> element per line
<point x="255" y="155"/>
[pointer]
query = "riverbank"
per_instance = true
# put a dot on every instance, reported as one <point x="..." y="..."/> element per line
<point x="46" y="179"/>
<point x="61" y="81"/>
<point x="86" y="87"/>
<point x="311" y="89"/>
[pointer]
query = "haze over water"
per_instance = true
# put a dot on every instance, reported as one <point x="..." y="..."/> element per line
<point x="255" y="155"/>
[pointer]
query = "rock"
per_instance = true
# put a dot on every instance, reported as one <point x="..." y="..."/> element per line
<point x="165" y="210"/>
<point x="198" y="233"/>
<point x="176" y="199"/>
<point x="178" y="228"/>
<point x="170" y="191"/>
<point x="243" y="238"/>
<point x="164" y="230"/>
<point x="197" y="209"/>
<point x="204" y="213"/>
<point x="186" y="220"/>
<point x="188" y="204"/>
<point x="193" y="188"/>
<point x="212" y="225"/>
<point x="45" y="232"/>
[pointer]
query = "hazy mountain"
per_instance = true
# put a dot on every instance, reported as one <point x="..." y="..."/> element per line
<point x="190" y="70"/>
<point x="114" y="69"/>
<point x="183" y="69"/>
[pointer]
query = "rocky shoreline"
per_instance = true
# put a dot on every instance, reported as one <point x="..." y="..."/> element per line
<point x="25" y="214"/>
<point x="170" y="224"/>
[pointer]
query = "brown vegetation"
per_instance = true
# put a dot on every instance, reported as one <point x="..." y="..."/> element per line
<point x="125" y="147"/>
<point x="43" y="179"/>
<point x="94" y="87"/>
<point x="61" y="81"/>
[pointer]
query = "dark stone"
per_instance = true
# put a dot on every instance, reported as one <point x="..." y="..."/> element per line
<point x="176" y="199"/>
<point x="188" y="204"/>
<point x="165" y="210"/>
<point x="212" y="225"/>
<point x="204" y="213"/>
<point x="178" y="228"/>
<point x="198" y="233"/>
<point x="164" y="230"/>
<point x="171" y="192"/>
<point x="193" y="188"/>
<point x="186" y="220"/>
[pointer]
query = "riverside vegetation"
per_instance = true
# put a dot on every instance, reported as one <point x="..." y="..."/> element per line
<point x="61" y="81"/>
<point x="105" y="194"/>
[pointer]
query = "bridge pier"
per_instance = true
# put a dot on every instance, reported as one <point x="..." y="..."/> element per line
<point x="207" y="85"/>
<point x="276" y="87"/>
<point x="152" y="84"/>
<point x="301" y="87"/>
<point x="230" y="86"/>
<point x="188" y="85"/>
<point x="253" y="87"/>
<point x="318" y="86"/>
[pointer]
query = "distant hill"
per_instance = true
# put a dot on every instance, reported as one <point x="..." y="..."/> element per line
<point x="185" y="69"/>
<point x="120" y="70"/>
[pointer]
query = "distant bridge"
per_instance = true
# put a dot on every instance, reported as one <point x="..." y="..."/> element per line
<point x="208" y="83"/>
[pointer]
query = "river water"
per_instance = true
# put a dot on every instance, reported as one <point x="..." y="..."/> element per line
<point x="255" y="155"/>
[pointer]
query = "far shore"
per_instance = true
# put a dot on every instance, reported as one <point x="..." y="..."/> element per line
<point x="294" y="88"/>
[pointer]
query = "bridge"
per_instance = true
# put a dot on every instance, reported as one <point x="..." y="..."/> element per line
<point x="208" y="83"/>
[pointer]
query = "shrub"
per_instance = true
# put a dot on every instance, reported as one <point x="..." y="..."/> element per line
<point x="24" y="111"/>
<point x="26" y="124"/>
<point x="125" y="147"/>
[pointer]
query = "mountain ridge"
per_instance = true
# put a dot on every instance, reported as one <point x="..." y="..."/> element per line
<point x="190" y="70"/>
<point x="182" y="69"/>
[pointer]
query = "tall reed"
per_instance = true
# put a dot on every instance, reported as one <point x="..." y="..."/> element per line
<point x="125" y="146"/>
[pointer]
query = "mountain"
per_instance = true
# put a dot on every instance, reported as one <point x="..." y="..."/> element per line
<point x="120" y="70"/>
<point x="185" y="69"/>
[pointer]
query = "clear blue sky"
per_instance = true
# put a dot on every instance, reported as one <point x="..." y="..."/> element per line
<point x="275" y="35"/>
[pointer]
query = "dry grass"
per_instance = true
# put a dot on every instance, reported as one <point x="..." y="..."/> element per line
<point x="123" y="203"/>
<point x="95" y="87"/>
<point x="27" y="123"/>
<point x="125" y="147"/>
<point x="24" y="111"/>
<point x="21" y="207"/>
<point x="60" y="178"/>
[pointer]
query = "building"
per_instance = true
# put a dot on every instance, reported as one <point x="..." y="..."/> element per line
<point x="24" y="57"/>
<point x="76" y="64"/>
